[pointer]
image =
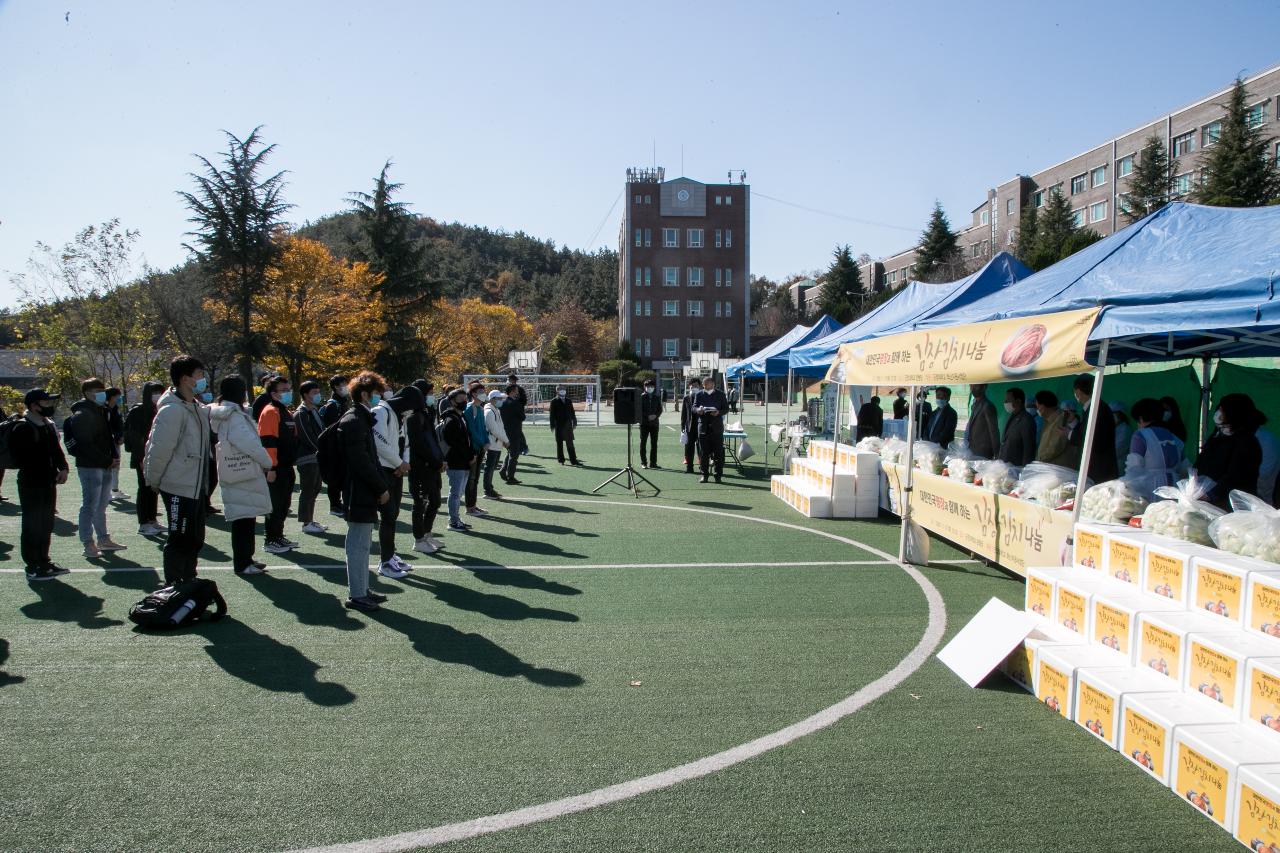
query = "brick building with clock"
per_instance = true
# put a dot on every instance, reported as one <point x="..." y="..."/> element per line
<point x="683" y="257"/>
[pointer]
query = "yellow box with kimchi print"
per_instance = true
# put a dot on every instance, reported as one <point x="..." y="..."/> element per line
<point x="1166" y="568"/>
<point x="1262" y="605"/>
<point x="1257" y="823"/>
<point x="1113" y="622"/>
<point x="1040" y="595"/>
<point x="1089" y="548"/>
<point x="1207" y="760"/>
<point x="1149" y="721"/>
<point x="1126" y="553"/>
<point x="1100" y="691"/>
<point x="1056" y="668"/>
<point x="1215" y="665"/>
<point x="1262" y="695"/>
<point x="1020" y="664"/>
<point x="1073" y="596"/>
<point x="1219" y="581"/>
<point x="1162" y="641"/>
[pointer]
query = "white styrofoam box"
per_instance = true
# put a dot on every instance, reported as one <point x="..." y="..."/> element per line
<point x="1262" y="605"/>
<point x="1166" y="568"/>
<point x="1113" y="619"/>
<point x="1257" y="824"/>
<point x="1040" y="596"/>
<point x="1262" y="695"/>
<point x="1126" y="550"/>
<point x="866" y="465"/>
<point x="1161" y="643"/>
<point x="1100" y="691"/>
<point x="1020" y="665"/>
<point x="1089" y="547"/>
<point x="1149" y="722"/>
<point x="1219" y="580"/>
<point x="1056" y="667"/>
<point x="1206" y="761"/>
<point x="1072" y="597"/>
<point x="1215" y="665"/>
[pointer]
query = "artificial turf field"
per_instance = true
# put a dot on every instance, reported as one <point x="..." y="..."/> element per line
<point x="503" y="674"/>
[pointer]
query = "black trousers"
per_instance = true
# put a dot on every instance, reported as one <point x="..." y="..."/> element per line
<point x="690" y="446"/>
<point x="213" y="482"/>
<point x="426" y="503"/>
<point x="335" y="496"/>
<point x="281" y="490"/>
<point x="242" y="533"/>
<point x="473" y="480"/>
<point x="186" y="535"/>
<point x="649" y="431"/>
<point x="309" y="475"/>
<point x="711" y="448"/>
<point x="387" y="515"/>
<point x="516" y="446"/>
<point x="561" y="444"/>
<point x="37" y="504"/>
<point x="147" y="500"/>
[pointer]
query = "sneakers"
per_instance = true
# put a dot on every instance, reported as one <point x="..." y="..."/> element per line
<point x="578" y="463"/>
<point x="151" y="528"/>
<point x="399" y="563"/>
<point x="45" y="573"/>
<point x="425" y="546"/>
<point x="435" y="540"/>
<point x="91" y="551"/>
<point x="703" y="479"/>
<point x="117" y="495"/>
<point x="252" y="569"/>
<point x="477" y="511"/>
<point x="493" y="496"/>
<point x="287" y="541"/>
<point x="367" y="604"/>
<point x="389" y="570"/>
<point x="459" y="525"/>
<point x="314" y="528"/>
<point x="108" y="544"/>
<point x="717" y="479"/>
<point x="376" y="597"/>
<point x="654" y="465"/>
<point x="513" y="481"/>
<point x="277" y="546"/>
<point x="338" y="513"/>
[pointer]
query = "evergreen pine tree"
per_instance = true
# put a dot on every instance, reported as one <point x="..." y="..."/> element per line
<point x="1150" y="183"/>
<point x="1237" y="170"/>
<point x="1028" y="224"/>
<point x="841" y="287"/>
<point x="1056" y="234"/>
<point x="939" y="252"/>
<point x="387" y="243"/>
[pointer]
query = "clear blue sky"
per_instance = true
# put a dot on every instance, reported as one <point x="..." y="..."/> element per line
<point x="524" y="116"/>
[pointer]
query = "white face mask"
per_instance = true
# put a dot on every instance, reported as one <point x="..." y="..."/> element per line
<point x="942" y="404"/>
<point x="560" y="393"/>
<point x="1008" y="407"/>
<point x="1166" y="416"/>
<point x="1217" y="417"/>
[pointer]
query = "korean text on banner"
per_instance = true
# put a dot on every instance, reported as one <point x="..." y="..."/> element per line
<point x="996" y="351"/>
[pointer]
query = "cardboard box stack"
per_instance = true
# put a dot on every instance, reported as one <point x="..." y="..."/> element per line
<point x="833" y="481"/>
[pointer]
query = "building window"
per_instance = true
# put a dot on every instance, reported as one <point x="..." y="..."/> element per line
<point x="639" y="277"/>
<point x="695" y="238"/>
<point x="1182" y="184"/>
<point x="719" y="238"/>
<point x="671" y="308"/>
<point x="1013" y="237"/>
<point x="728" y="200"/>
<point x="1077" y="217"/>
<point x="1078" y="184"/>
<point x="728" y="278"/>
<point x="639" y="308"/>
<point x="719" y="277"/>
<point x="1209" y="133"/>
<point x="648" y="277"/>
<point x="671" y="276"/>
<point x="1037" y="198"/>
<point x="718" y="200"/>
<point x="1124" y="165"/>
<point x="728" y="309"/>
<point x="637" y="238"/>
<point x="648" y="238"/>
<point x="893" y="277"/>
<point x="637" y="199"/>
<point x="695" y="276"/>
<point x="1098" y="212"/>
<point x="648" y="199"/>
<point x="694" y="308"/>
<point x="719" y="309"/>
<point x="975" y="249"/>
<point x="728" y="346"/>
<point x="648" y="349"/>
<point x="1098" y="176"/>
<point x="1008" y="207"/>
<point x="648" y="308"/>
<point x="695" y="345"/>
<point x="1184" y="144"/>
<point x="728" y="238"/>
<point x="986" y="217"/>
<point x="671" y="238"/>
<point x="1256" y="114"/>
<point x="671" y="347"/>
<point x="1278" y="153"/>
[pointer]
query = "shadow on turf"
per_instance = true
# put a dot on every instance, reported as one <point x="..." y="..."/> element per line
<point x="307" y="604"/>
<point x="520" y="545"/>
<point x="489" y="604"/>
<point x="549" y="507"/>
<point x="268" y="663"/>
<point x="61" y="602"/>
<point x="499" y="575"/>
<point x="717" y="505"/>
<point x="544" y="528"/>
<point x="449" y="645"/>
<point x="6" y="678"/>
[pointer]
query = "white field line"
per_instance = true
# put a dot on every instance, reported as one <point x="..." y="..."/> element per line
<point x="934" y="629"/>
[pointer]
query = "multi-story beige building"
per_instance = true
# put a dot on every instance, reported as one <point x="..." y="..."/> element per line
<point x="1093" y="181"/>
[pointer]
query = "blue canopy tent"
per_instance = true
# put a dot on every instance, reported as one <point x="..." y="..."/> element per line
<point x="772" y="361"/>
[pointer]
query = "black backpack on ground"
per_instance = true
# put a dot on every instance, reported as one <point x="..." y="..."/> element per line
<point x="330" y="458"/>
<point x="7" y="426"/>
<point x="178" y="604"/>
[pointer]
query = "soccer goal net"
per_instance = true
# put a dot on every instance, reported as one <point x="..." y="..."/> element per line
<point x="582" y="390"/>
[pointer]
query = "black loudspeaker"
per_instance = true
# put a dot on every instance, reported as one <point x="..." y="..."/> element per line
<point x="626" y="405"/>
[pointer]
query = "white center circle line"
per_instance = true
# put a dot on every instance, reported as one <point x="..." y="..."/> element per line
<point x="934" y="629"/>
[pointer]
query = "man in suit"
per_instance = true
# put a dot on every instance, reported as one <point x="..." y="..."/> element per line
<point x="900" y="405"/>
<point x="1019" y="444"/>
<point x="941" y="425"/>
<point x="1102" y="461"/>
<point x="689" y="422"/>
<point x="650" y="413"/>
<point x="870" y="419"/>
<point x="563" y="421"/>
<point x="711" y="406"/>
<point x="983" y="432"/>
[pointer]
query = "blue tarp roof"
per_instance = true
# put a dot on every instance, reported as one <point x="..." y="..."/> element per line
<point x="773" y="358"/>
<point x="916" y="301"/>
<point x="1186" y="281"/>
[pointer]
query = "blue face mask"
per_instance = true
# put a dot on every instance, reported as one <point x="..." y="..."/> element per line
<point x="100" y="397"/>
<point x="206" y="397"/>
<point x="374" y="399"/>
<point x="286" y="397"/>
<point x="201" y="384"/>
<point x="315" y="399"/>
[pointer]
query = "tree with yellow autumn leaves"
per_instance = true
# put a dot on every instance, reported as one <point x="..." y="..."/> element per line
<point x="471" y="336"/>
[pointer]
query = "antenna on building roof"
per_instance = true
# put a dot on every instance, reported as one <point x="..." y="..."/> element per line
<point x="682" y="159"/>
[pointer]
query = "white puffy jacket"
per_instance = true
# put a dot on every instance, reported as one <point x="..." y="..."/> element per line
<point x="493" y="423"/>
<point x="386" y="437"/>
<point x="177" y="456"/>
<point x="238" y="435"/>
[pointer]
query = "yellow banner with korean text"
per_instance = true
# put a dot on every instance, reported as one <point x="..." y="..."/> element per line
<point x="996" y="351"/>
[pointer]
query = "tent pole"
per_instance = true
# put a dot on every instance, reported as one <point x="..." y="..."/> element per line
<point x="790" y="374"/>
<point x="835" y="451"/>
<point x="1205" y="390"/>
<point x="904" y="500"/>
<point x="1086" y="453"/>
<point x="766" y="418"/>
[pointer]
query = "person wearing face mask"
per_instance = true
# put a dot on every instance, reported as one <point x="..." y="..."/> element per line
<point x="1171" y="418"/>
<point x="244" y="464"/>
<point x="689" y="422"/>
<point x="563" y="422"/>
<point x="924" y="411"/>
<point x="513" y="417"/>
<point x="983" y="430"/>
<point x="711" y="406"/>
<point x="42" y="467"/>
<point x="1054" y="446"/>
<point x="116" y="421"/>
<point x="366" y="488"/>
<point x="279" y="432"/>
<point x="1102" y="458"/>
<point x="136" y="426"/>
<point x="1231" y="456"/>
<point x="426" y="464"/>
<point x="498" y="440"/>
<point x="651" y="409"/>
<point x="458" y="453"/>
<point x="1018" y="447"/>
<point x="330" y="413"/>
<point x="900" y="405"/>
<point x="1154" y="456"/>
<point x="940" y="427"/>
<point x="174" y="465"/>
<point x="310" y="424"/>
<point x="393" y="456"/>
<point x="262" y="400"/>
<point x="87" y="434"/>
<point x="474" y="415"/>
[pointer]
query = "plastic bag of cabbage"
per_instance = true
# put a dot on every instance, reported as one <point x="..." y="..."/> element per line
<point x="894" y="450"/>
<point x="958" y="461"/>
<point x="1252" y="529"/>
<point x="870" y="444"/>
<point x="928" y="457"/>
<point x="1045" y="484"/>
<point x="995" y="476"/>
<point x="1182" y="514"/>
<point x="1114" y="502"/>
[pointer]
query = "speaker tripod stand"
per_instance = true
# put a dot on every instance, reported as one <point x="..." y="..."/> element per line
<point x="633" y="476"/>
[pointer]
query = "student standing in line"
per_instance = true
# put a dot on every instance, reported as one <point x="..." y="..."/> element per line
<point x="689" y="422"/>
<point x="116" y="422"/>
<point x="563" y="422"/>
<point x="243" y="464"/>
<point x="365" y="489"/>
<point x="513" y="422"/>
<point x="90" y="442"/>
<point x="497" y="440"/>
<point x="310" y="424"/>
<point x="42" y="467"/>
<point x="474" y="413"/>
<point x="651" y="410"/>
<point x="137" y="425"/>
<point x="458" y="452"/>
<point x="279" y="433"/>
<point x="426" y="464"/>
<point x="331" y="412"/>
<point x="393" y="456"/>
<point x="260" y="402"/>
<point x="175" y="465"/>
